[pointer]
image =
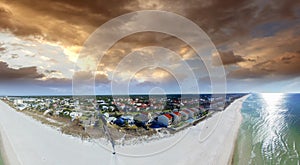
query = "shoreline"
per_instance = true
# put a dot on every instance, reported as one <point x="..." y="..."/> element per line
<point x="47" y="149"/>
<point x="237" y="132"/>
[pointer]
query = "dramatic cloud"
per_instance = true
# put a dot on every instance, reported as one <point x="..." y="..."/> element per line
<point x="2" y="48"/>
<point x="51" y="71"/>
<point x="68" y="22"/>
<point x="157" y="75"/>
<point x="227" y="21"/>
<point x="71" y="22"/>
<point x="29" y="75"/>
<point x="137" y="41"/>
<point x="256" y="39"/>
<point x="286" y="65"/>
<point x="262" y="48"/>
<point x="48" y="59"/>
<point x="227" y="58"/>
<point x="54" y="82"/>
<point x="7" y="73"/>
<point x="88" y="77"/>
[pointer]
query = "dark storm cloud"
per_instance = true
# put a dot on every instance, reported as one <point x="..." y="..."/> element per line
<point x="133" y="42"/>
<point x="31" y="75"/>
<point x="246" y="73"/>
<point x="87" y="76"/>
<point x="7" y="73"/>
<point x="71" y="21"/>
<point x="2" y="48"/>
<point x="68" y="21"/>
<point x="221" y="19"/>
<point x="5" y="15"/>
<point x="9" y="21"/>
<point x="284" y="66"/>
<point x="228" y="58"/>
<point x="234" y="19"/>
<point x="54" y="82"/>
<point x="101" y="78"/>
<point x="51" y="71"/>
<point x="288" y="59"/>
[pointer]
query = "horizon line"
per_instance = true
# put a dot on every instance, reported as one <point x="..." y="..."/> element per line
<point x="126" y="94"/>
<point x="148" y="94"/>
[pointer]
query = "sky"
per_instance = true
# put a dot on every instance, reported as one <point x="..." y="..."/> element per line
<point x="41" y="44"/>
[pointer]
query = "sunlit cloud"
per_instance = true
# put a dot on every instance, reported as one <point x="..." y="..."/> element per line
<point x="258" y="42"/>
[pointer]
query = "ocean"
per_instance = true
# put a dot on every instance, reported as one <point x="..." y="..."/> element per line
<point x="1" y="161"/>
<point x="270" y="130"/>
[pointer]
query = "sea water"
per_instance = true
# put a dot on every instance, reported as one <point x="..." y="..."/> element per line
<point x="270" y="130"/>
<point x="1" y="161"/>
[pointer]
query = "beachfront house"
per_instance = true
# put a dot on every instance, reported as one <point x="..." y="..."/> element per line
<point x="184" y="115"/>
<point x="130" y="119"/>
<point x="120" y="122"/>
<point x="170" y="117"/>
<point x="189" y="112"/>
<point x="196" y="111"/>
<point x="163" y="120"/>
<point x="124" y="121"/>
<point x="21" y="107"/>
<point x="111" y="119"/>
<point x="175" y="118"/>
<point x="18" y="101"/>
<point x="141" y="119"/>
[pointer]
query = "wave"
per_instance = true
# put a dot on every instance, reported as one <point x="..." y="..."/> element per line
<point x="267" y="134"/>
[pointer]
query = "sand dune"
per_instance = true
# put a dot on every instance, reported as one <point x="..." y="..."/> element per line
<point x="28" y="142"/>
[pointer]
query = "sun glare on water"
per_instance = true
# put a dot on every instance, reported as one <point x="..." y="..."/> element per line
<point x="273" y="124"/>
<point x="272" y="99"/>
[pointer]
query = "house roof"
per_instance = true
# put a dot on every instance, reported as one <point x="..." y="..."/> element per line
<point x="186" y="111"/>
<point x="177" y="113"/>
<point x="193" y="110"/>
<point x="168" y="116"/>
<point x="141" y="117"/>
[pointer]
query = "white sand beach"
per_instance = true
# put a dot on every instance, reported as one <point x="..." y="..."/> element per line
<point x="28" y="142"/>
